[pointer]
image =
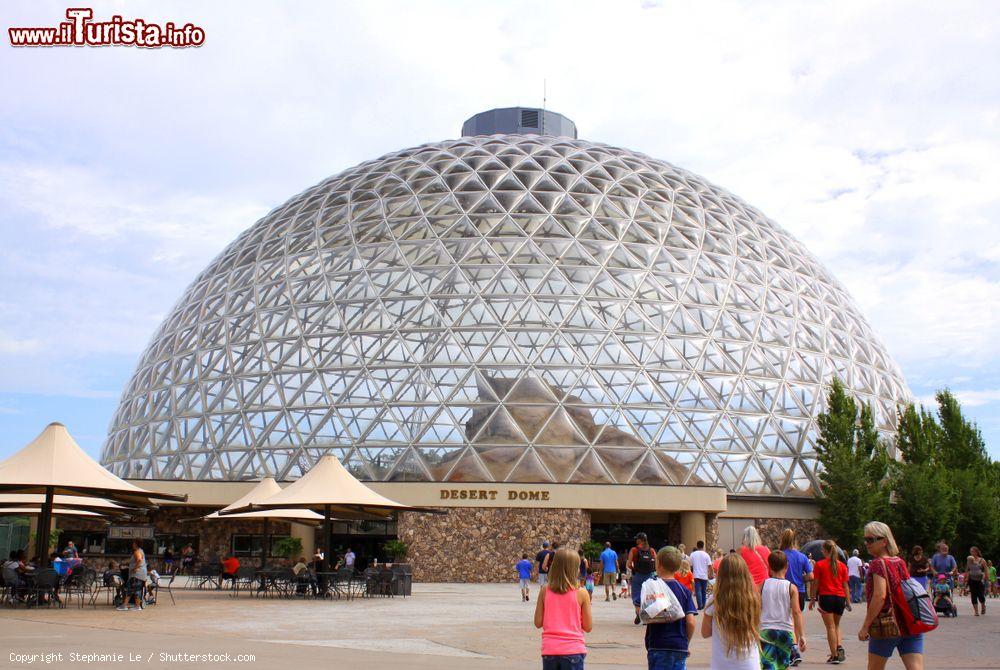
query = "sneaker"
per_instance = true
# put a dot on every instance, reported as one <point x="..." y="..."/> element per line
<point x="841" y="654"/>
<point x="795" y="662"/>
<point x="636" y="622"/>
<point x="122" y="608"/>
<point x="614" y="597"/>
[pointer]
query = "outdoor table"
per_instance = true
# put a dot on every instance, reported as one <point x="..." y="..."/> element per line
<point x="350" y="588"/>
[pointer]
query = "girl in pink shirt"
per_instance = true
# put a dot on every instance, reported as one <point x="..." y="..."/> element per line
<point x="563" y="613"/>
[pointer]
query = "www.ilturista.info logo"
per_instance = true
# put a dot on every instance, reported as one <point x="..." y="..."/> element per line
<point x="81" y="31"/>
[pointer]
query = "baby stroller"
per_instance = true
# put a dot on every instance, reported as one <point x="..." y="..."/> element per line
<point x="944" y="602"/>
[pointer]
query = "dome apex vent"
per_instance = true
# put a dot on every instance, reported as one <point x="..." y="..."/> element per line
<point x="519" y="121"/>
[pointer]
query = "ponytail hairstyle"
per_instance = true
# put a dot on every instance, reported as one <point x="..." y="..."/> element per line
<point x="830" y="547"/>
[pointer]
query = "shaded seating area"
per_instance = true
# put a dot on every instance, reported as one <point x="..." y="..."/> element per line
<point x="53" y="476"/>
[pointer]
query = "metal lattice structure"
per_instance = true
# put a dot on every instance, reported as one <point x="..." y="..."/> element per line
<point x="515" y="308"/>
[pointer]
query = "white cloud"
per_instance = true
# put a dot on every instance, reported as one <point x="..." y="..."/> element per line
<point x="870" y="131"/>
<point x="978" y="398"/>
<point x="17" y="346"/>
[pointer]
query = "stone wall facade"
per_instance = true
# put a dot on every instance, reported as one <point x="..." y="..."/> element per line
<point x="805" y="530"/>
<point x="475" y="544"/>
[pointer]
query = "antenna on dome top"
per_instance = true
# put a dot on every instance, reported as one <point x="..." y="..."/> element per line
<point x="544" y="98"/>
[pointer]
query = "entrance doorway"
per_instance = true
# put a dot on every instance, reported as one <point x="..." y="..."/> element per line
<point x="620" y="529"/>
<point x="622" y="535"/>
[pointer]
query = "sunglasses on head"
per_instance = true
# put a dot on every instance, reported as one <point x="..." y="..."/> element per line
<point x="869" y="540"/>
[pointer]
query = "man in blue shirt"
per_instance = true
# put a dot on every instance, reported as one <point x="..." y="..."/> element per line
<point x="609" y="570"/>
<point x="667" y="643"/>
<point x="944" y="563"/>
<point x="523" y="568"/>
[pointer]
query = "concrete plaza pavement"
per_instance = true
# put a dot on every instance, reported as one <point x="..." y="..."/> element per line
<point x="477" y="626"/>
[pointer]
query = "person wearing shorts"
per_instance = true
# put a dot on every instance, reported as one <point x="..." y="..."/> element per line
<point x="884" y="574"/>
<point x="832" y="581"/>
<point x="911" y="644"/>
<point x="609" y="571"/>
<point x="543" y="559"/>
<point x="642" y="563"/>
<point x="523" y="568"/>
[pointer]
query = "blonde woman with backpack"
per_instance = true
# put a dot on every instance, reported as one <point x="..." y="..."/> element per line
<point x="880" y="627"/>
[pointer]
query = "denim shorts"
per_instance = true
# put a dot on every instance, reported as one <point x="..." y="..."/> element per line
<point x="666" y="659"/>
<point x="912" y="644"/>
<point x="637" y="579"/>
<point x="567" y="662"/>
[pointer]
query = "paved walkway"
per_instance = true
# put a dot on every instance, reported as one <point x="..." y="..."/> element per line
<point x="482" y="627"/>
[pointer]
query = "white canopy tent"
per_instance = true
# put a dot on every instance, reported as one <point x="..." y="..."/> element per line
<point x="329" y="488"/>
<point x="264" y="490"/>
<point x="54" y="464"/>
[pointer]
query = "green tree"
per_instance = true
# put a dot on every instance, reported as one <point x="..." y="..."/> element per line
<point x="945" y="486"/>
<point x="963" y="453"/>
<point x="854" y="462"/>
<point x="924" y="505"/>
<point x="977" y="511"/>
<point x="592" y="549"/>
<point x="961" y="443"/>
<point x="918" y="436"/>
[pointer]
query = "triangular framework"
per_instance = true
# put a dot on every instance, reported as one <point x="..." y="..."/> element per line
<point x="506" y="308"/>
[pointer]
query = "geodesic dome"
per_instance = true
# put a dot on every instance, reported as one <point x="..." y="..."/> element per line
<point x="518" y="308"/>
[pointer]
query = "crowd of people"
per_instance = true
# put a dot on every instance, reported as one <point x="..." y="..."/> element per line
<point x="752" y="600"/>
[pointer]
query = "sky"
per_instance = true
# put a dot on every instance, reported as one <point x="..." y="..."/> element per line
<point x="869" y="130"/>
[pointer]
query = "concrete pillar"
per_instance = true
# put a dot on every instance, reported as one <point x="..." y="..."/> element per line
<point x="308" y="536"/>
<point x="692" y="529"/>
<point x="711" y="532"/>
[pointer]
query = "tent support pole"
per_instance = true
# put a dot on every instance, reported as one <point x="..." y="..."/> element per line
<point x="327" y="536"/>
<point x="44" y="524"/>
<point x="265" y="546"/>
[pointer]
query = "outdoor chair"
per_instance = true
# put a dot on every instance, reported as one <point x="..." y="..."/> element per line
<point x="168" y="587"/>
<point x="283" y="583"/>
<point x="44" y="586"/>
<point x="244" y="579"/>
<point x="7" y="594"/>
<point x="81" y="583"/>
<point x="398" y="585"/>
<point x="105" y="583"/>
<point x="379" y="582"/>
<point x="347" y="584"/>
<point x="305" y="583"/>
<point x="15" y="589"/>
